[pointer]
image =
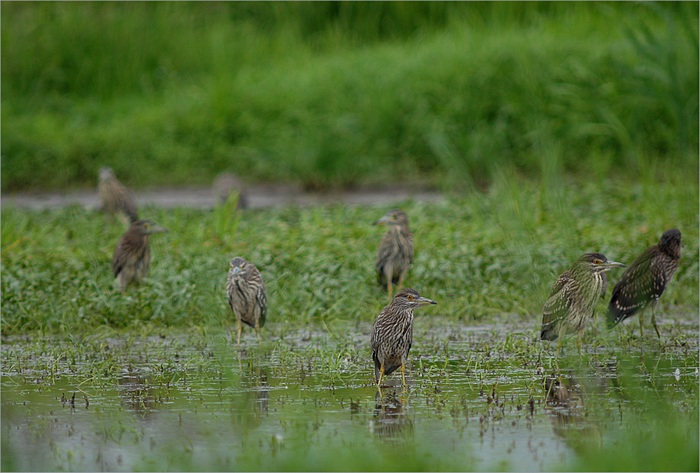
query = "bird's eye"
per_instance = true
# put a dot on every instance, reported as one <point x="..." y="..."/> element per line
<point x="598" y="261"/>
<point x="410" y="297"/>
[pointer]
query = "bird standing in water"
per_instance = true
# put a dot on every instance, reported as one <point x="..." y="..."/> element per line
<point x="132" y="256"/>
<point x="115" y="199"/>
<point x="392" y="334"/>
<point x="246" y="295"/>
<point x="645" y="281"/>
<point x="573" y="297"/>
<point x="395" y="254"/>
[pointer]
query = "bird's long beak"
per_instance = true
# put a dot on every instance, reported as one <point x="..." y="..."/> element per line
<point x="614" y="264"/>
<point x="382" y="221"/>
<point x="236" y="269"/>
<point x="425" y="301"/>
<point x="158" y="229"/>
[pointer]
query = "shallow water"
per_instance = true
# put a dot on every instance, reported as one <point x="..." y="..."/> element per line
<point x="478" y="398"/>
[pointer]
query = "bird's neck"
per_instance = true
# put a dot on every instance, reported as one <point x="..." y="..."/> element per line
<point x="400" y="229"/>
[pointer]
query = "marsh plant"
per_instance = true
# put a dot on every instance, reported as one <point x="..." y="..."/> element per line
<point x="447" y="92"/>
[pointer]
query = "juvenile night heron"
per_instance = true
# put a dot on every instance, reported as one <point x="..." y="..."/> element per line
<point x="115" y="199"/>
<point x="395" y="254"/>
<point x="132" y="256"/>
<point x="574" y="295"/>
<point x="392" y="334"/>
<point x="226" y="184"/>
<point x="246" y="295"/>
<point x="645" y="281"/>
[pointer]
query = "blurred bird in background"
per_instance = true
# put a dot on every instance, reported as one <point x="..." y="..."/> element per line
<point x="395" y="254"/>
<point x="227" y="184"/>
<point x="115" y="199"/>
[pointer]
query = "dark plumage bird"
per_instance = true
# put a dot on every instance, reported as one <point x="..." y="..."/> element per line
<point x="645" y="281"/>
<point x="132" y="256"/>
<point x="246" y="295"/>
<point x="392" y="334"/>
<point x="395" y="254"/>
<point x="115" y="199"/>
<point x="574" y="295"/>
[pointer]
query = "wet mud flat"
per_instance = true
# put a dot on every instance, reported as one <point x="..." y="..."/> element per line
<point x="260" y="196"/>
<point x="479" y="397"/>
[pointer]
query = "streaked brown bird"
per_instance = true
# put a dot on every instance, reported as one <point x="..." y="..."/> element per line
<point x="395" y="254"/>
<point x="392" y="334"/>
<point x="645" y="281"/>
<point x="226" y="184"/>
<point x="115" y="199"/>
<point x="573" y="297"/>
<point x="246" y="295"/>
<point x="132" y="257"/>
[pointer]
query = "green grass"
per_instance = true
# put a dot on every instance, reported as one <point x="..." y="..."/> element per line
<point x="488" y="259"/>
<point x="581" y="118"/>
<point x="484" y="256"/>
<point x="336" y="94"/>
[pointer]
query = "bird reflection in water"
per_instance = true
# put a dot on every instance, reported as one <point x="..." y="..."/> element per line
<point x="567" y="412"/>
<point x="391" y="421"/>
<point x="251" y="407"/>
<point x="136" y="393"/>
<point x="262" y="394"/>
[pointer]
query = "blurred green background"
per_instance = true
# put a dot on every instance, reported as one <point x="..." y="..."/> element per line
<point x="336" y="94"/>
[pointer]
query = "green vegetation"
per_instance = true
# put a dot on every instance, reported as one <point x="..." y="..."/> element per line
<point x="562" y="127"/>
<point x="167" y="390"/>
<point x="329" y="94"/>
<point x="480" y="256"/>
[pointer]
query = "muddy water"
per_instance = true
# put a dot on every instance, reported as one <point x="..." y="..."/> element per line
<point x="307" y="402"/>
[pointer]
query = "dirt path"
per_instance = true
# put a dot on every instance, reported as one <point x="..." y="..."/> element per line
<point x="258" y="197"/>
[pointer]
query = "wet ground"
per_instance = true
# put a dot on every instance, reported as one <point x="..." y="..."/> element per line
<point x="203" y="197"/>
<point x="478" y="397"/>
